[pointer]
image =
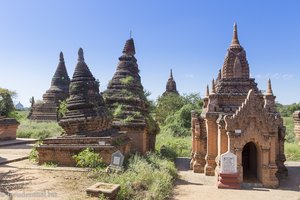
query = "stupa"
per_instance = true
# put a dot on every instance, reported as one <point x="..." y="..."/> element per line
<point x="87" y="123"/>
<point x="171" y="86"/>
<point x="239" y="124"/>
<point x="125" y="97"/>
<point x="47" y="110"/>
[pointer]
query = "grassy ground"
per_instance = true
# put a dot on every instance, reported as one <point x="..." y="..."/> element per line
<point x="38" y="130"/>
<point x="292" y="151"/>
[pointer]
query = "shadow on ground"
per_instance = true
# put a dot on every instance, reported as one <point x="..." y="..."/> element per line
<point x="12" y="180"/>
<point x="182" y="164"/>
<point x="292" y="181"/>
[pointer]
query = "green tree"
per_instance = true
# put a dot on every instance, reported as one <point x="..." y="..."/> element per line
<point x="167" y="105"/>
<point x="6" y="102"/>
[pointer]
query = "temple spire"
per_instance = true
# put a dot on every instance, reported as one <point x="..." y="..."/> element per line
<point x="129" y="48"/>
<point x="269" y="88"/>
<point x="213" y="90"/>
<point x="235" y="39"/>
<point x="207" y="91"/>
<point x="171" y="74"/>
<point x="80" y="55"/>
<point x="61" y="57"/>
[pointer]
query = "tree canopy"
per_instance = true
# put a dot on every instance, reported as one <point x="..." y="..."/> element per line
<point x="6" y="102"/>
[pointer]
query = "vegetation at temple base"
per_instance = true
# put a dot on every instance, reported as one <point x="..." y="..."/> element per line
<point x="62" y="108"/>
<point x="146" y="177"/>
<point x="88" y="158"/>
<point x="37" y="130"/>
<point x="6" y="103"/>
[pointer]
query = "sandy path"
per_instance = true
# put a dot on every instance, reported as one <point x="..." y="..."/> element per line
<point x="191" y="186"/>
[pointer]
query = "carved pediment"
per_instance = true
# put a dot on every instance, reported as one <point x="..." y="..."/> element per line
<point x="251" y="116"/>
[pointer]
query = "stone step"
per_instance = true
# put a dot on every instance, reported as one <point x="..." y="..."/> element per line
<point x="17" y="141"/>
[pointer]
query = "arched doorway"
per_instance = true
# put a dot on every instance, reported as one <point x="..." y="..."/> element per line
<point x="249" y="162"/>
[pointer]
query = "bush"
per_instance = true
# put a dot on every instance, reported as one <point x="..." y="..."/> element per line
<point x="6" y="103"/>
<point x="149" y="177"/>
<point x="88" y="158"/>
<point x="172" y="147"/>
<point x="34" y="155"/>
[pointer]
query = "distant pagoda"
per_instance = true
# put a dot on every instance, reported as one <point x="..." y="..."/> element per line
<point x="87" y="123"/>
<point x="125" y="97"/>
<point x="86" y="113"/>
<point x="59" y="91"/>
<point x="171" y="86"/>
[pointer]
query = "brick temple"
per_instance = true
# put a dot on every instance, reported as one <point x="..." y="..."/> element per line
<point x="171" y="85"/>
<point x="238" y="119"/>
<point x="87" y="123"/>
<point x="126" y="99"/>
<point x="47" y="110"/>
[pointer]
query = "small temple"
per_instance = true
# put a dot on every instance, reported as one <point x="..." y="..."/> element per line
<point x="171" y="86"/>
<point x="87" y="123"/>
<point x="126" y="99"/>
<point x="239" y="136"/>
<point x="47" y="110"/>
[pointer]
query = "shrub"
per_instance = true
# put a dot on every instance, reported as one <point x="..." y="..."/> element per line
<point x="127" y="80"/>
<point x="34" y="155"/>
<point x="62" y="108"/>
<point x="172" y="147"/>
<point x="149" y="177"/>
<point x="6" y="102"/>
<point x="88" y="158"/>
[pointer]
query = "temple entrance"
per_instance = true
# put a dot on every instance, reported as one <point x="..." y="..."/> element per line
<point x="249" y="162"/>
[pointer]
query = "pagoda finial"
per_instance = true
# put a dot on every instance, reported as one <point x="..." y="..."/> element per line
<point x="235" y="39"/>
<point x="213" y="90"/>
<point x="269" y="88"/>
<point x="171" y="74"/>
<point x="130" y="34"/>
<point x="207" y="91"/>
<point x="80" y="55"/>
<point x="129" y="48"/>
<point x="219" y="75"/>
<point x="61" y="57"/>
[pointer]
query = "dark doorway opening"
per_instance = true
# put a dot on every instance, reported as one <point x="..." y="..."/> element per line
<point x="249" y="162"/>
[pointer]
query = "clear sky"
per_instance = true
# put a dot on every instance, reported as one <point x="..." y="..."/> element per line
<point x="191" y="37"/>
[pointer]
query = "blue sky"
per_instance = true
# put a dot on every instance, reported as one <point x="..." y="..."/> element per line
<point x="191" y="37"/>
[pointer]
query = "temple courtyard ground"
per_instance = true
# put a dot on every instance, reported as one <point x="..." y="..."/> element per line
<point x="21" y="179"/>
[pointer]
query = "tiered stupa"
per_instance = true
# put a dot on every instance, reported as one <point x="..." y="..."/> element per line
<point x="47" y="110"/>
<point x="171" y="86"/>
<point x="125" y="97"/>
<point x="86" y="113"/>
<point x="237" y="119"/>
<point x="296" y="117"/>
<point x="86" y="123"/>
